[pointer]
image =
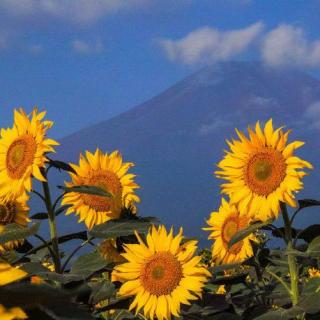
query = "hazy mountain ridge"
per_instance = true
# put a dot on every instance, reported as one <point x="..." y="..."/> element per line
<point x="176" y="138"/>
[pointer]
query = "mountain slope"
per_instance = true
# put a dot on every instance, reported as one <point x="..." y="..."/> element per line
<point x="176" y="138"/>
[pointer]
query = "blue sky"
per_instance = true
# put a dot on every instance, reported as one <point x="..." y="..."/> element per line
<point x="86" y="61"/>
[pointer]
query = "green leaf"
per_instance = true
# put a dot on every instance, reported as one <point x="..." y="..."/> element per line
<point x="33" y="268"/>
<point x="280" y="232"/>
<point x="93" y="190"/>
<point x="61" y="165"/>
<point x="246" y="232"/>
<point x="312" y="286"/>
<point x="37" y="269"/>
<point x="121" y="227"/>
<point x="304" y="203"/>
<point x="77" y="235"/>
<point x="67" y="312"/>
<point x="101" y="291"/>
<point x="27" y="295"/>
<point x="58" y="304"/>
<point x="310" y="303"/>
<point x="310" y="233"/>
<point x="121" y="303"/>
<point x="314" y="247"/>
<point x="40" y="216"/>
<point x="87" y="264"/>
<point x="13" y="232"/>
<point x="224" y="267"/>
<point x="62" y="209"/>
<point x="281" y="314"/>
<point x="234" y="279"/>
<point x="61" y="278"/>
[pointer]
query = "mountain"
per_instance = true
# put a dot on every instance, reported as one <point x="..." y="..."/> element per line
<point x="177" y="137"/>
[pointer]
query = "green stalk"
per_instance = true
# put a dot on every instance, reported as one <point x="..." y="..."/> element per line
<point x="293" y="270"/>
<point x="52" y="223"/>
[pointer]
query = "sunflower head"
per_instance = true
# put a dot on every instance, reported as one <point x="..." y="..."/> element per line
<point x="22" y="152"/>
<point x="314" y="273"/>
<point x="9" y="274"/>
<point x="108" y="250"/>
<point x="12" y="313"/>
<point x="221" y="290"/>
<point x="13" y="211"/>
<point x="223" y="225"/>
<point x="161" y="273"/>
<point x="106" y="171"/>
<point x="261" y="171"/>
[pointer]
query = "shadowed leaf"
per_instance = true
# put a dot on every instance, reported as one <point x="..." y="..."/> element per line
<point x="310" y="233"/>
<point x="88" y="264"/>
<point x="122" y="227"/>
<point x="310" y="303"/>
<point x="13" y="232"/>
<point x="39" y="216"/>
<point x="93" y="190"/>
<point x="101" y="291"/>
<point x="304" y="203"/>
<point x="246" y="232"/>
<point x="314" y="247"/>
<point x="61" y="165"/>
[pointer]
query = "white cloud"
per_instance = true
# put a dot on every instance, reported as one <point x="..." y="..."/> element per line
<point x="207" y="45"/>
<point x="259" y="102"/>
<point x="77" y="11"/>
<point x="216" y="124"/>
<point x="287" y="45"/>
<point x="312" y="115"/>
<point x="84" y="47"/>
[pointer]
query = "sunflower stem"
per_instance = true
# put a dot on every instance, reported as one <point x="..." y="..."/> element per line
<point x="275" y="276"/>
<point x="52" y="223"/>
<point x="293" y="270"/>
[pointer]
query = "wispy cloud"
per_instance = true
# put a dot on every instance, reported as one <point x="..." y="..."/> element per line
<point x="312" y="115"/>
<point x="85" y="47"/>
<point x="217" y="124"/>
<point x="79" y="11"/>
<point x="207" y="45"/>
<point x="287" y="45"/>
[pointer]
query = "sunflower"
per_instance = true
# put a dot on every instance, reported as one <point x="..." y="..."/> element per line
<point x="108" y="250"/>
<point x="9" y="274"/>
<point x="161" y="274"/>
<point x="224" y="224"/>
<point x="12" y="313"/>
<point x="221" y="290"/>
<point x="261" y="171"/>
<point x="22" y="152"/>
<point x="108" y="172"/>
<point x="314" y="273"/>
<point x="14" y="211"/>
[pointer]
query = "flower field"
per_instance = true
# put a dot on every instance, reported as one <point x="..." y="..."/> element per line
<point x="134" y="266"/>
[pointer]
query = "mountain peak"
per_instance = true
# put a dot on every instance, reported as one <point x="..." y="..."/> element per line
<point x="176" y="137"/>
<point x="241" y="70"/>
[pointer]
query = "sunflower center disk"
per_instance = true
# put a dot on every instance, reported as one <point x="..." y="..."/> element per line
<point x="7" y="213"/>
<point x="109" y="182"/>
<point x="265" y="171"/>
<point x="20" y="155"/>
<point x="161" y="274"/>
<point x="229" y="229"/>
